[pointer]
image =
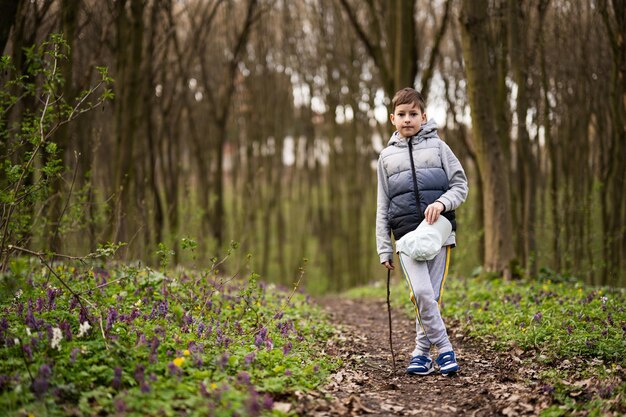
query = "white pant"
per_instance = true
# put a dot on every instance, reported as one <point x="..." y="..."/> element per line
<point x="425" y="280"/>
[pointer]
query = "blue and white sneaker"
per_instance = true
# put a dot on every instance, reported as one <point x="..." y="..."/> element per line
<point x="420" y="365"/>
<point x="447" y="363"/>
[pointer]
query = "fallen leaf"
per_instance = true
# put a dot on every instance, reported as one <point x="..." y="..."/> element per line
<point x="282" y="407"/>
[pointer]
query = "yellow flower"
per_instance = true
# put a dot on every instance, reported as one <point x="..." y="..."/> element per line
<point x="213" y="385"/>
<point x="186" y="352"/>
<point x="179" y="361"/>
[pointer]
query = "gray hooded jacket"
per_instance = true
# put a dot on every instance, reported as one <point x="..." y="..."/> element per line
<point x="440" y="176"/>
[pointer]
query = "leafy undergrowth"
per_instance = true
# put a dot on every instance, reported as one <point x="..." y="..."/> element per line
<point x="573" y="335"/>
<point x="141" y="342"/>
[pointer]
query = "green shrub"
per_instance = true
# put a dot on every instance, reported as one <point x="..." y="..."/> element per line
<point x="144" y="342"/>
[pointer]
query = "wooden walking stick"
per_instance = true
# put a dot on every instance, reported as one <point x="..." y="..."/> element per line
<point x="393" y="355"/>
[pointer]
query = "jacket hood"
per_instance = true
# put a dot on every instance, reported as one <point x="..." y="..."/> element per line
<point x="428" y="131"/>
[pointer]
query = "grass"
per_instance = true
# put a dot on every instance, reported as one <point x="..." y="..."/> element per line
<point x="574" y="334"/>
<point x="148" y="342"/>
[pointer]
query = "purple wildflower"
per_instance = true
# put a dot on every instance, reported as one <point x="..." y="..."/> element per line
<point x="139" y="373"/>
<point x="174" y="370"/>
<point x="288" y="372"/>
<point x="117" y="378"/>
<point x="40" y="383"/>
<point x="224" y="360"/>
<point x="249" y="358"/>
<point x="30" y="320"/>
<point x="38" y="305"/>
<point x="269" y="345"/>
<point x="258" y="340"/>
<point x="537" y="317"/>
<point x="73" y="303"/>
<point x="203" y="390"/>
<point x="201" y="328"/>
<point x="569" y="330"/>
<point x="73" y="355"/>
<point x="133" y="315"/>
<point x="52" y="295"/>
<point x="154" y="345"/>
<point x="547" y="389"/>
<point x="28" y="352"/>
<point x="243" y="378"/>
<point x="145" y="388"/>
<point x="5" y="380"/>
<point x="111" y="318"/>
<point x="252" y="403"/>
<point x="268" y="402"/>
<point x="238" y="328"/>
<point x="83" y="316"/>
<point x="120" y="405"/>
<point x="163" y="308"/>
<point x="141" y="339"/>
<point x="287" y="348"/>
<point x="66" y="329"/>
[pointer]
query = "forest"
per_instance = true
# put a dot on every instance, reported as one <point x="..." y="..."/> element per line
<point x="188" y="204"/>
<point x="258" y="123"/>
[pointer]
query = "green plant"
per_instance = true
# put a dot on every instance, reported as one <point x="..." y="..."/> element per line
<point x="148" y="343"/>
<point x="32" y="109"/>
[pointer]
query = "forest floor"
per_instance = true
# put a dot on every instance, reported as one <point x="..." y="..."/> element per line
<point x="490" y="383"/>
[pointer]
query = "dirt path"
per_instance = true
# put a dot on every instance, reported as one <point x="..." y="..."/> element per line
<point x="489" y="383"/>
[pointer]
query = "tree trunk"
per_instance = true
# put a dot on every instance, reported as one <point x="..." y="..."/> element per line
<point x="130" y="30"/>
<point x="69" y="23"/>
<point x="8" y="15"/>
<point x="614" y="207"/>
<point x="526" y="163"/>
<point x="405" y="46"/>
<point x="490" y="152"/>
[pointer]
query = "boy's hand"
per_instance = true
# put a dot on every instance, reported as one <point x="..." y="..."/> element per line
<point x="389" y="265"/>
<point x="433" y="211"/>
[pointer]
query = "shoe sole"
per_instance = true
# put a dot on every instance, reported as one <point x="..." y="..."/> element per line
<point x="449" y="372"/>
<point x="430" y="371"/>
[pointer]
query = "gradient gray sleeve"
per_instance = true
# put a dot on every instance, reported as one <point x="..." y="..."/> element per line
<point x="457" y="181"/>
<point x="383" y="232"/>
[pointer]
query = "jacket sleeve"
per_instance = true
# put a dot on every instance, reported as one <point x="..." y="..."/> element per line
<point x="383" y="232"/>
<point x="457" y="181"/>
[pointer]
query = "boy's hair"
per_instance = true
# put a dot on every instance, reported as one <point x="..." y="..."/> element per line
<point x="407" y="96"/>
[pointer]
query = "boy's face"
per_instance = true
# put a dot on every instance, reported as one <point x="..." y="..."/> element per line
<point x="408" y="119"/>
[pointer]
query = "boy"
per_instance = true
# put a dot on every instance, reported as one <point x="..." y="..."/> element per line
<point x="441" y="188"/>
